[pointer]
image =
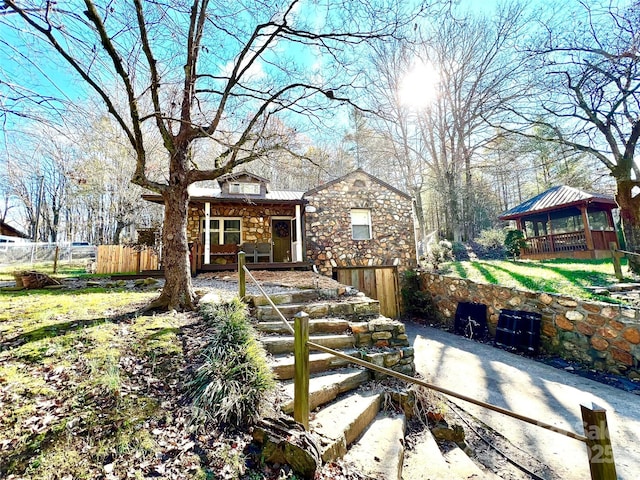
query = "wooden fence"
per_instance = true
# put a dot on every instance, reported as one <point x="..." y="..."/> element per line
<point x="380" y="283"/>
<point x="123" y="259"/>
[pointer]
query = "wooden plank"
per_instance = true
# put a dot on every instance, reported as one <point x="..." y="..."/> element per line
<point x="369" y="283"/>
<point x="596" y="431"/>
<point x="301" y="378"/>
<point x="122" y="259"/>
<point x="387" y="292"/>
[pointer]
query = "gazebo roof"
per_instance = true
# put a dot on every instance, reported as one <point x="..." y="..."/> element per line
<point x="557" y="198"/>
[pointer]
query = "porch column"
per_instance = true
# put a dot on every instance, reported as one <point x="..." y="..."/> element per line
<point x="207" y="231"/>
<point x="587" y="228"/>
<point x="298" y="257"/>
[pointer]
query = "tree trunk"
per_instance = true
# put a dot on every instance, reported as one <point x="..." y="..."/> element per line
<point x="630" y="217"/>
<point x="177" y="293"/>
<point x="454" y="229"/>
<point x="468" y="214"/>
<point x="116" y="234"/>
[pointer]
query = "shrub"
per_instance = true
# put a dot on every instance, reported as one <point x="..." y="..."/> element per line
<point x="235" y="378"/>
<point x="492" y="238"/>
<point x="458" y="250"/>
<point x="514" y="241"/>
<point x="439" y="252"/>
<point x="416" y="302"/>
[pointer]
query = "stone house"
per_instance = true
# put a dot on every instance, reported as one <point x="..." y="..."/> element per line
<point x="354" y="221"/>
<point x="359" y="221"/>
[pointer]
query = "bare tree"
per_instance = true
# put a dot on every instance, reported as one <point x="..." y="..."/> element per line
<point x="214" y="71"/>
<point x="589" y="74"/>
<point x="437" y="143"/>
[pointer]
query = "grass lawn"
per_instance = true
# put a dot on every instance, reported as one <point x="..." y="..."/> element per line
<point x="568" y="277"/>
<point x="88" y="387"/>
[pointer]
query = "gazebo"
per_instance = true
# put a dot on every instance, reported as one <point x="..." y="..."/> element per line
<point x="564" y="222"/>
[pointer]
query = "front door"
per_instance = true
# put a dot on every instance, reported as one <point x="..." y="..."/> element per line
<point x="281" y="235"/>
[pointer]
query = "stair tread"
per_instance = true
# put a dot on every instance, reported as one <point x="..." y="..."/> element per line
<point x="340" y="423"/>
<point x="275" y="338"/>
<point x="463" y="467"/>
<point x="379" y="452"/>
<point x="325" y="387"/>
<point x="426" y="461"/>
<point x="316" y="325"/>
<point x="288" y="358"/>
<point x="283" y="366"/>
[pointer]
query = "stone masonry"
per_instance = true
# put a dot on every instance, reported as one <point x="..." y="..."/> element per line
<point x="603" y="336"/>
<point x="328" y="228"/>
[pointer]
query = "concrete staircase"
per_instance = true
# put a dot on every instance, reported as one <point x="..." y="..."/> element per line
<point x="347" y="417"/>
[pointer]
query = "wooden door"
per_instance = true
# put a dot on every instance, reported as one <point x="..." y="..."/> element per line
<point x="281" y="239"/>
<point x="379" y="283"/>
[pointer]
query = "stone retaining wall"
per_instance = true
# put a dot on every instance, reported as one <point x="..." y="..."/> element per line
<point x="604" y="336"/>
<point x="390" y="340"/>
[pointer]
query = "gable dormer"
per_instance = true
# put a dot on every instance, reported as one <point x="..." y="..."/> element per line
<point x="243" y="184"/>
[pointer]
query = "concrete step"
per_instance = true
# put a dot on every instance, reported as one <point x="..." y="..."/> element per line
<point x="284" y="344"/>
<point x="326" y="387"/>
<point x="354" y="308"/>
<point x="283" y="366"/>
<point x="323" y="325"/>
<point x="379" y="452"/>
<point x="462" y="467"/>
<point x="300" y="296"/>
<point x="340" y="423"/>
<point x="426" y="461"/>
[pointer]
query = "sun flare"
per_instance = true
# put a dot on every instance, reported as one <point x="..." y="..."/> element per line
<point x="419" y="87"/>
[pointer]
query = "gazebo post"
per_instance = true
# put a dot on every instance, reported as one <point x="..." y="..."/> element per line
<point x="587" y="229"/>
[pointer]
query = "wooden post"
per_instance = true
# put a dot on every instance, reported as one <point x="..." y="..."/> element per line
<point x="55" y="259"/>
<point x="615" y="256"/>
<point x="138" y="261"/>
<point x="301" y="378"/>
<point x="599" y="450"/>
<point x="242" y="280"/>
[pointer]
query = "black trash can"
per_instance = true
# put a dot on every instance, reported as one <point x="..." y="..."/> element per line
<point x="471" y="320"/>
<point x="519" y="330"/>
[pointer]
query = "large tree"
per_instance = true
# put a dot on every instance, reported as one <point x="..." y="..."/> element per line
<point x="589" y="74"/>
<point x="214" y="71"/>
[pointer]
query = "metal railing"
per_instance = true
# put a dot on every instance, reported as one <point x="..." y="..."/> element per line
<point x="596" y="437"/>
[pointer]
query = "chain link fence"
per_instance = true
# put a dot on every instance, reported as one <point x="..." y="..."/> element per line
<point x="25" y="253"/>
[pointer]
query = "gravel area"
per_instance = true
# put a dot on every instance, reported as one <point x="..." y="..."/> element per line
<point x="222" y="284"/>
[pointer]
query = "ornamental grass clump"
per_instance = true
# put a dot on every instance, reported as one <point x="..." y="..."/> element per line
<point x="234" y="380"/>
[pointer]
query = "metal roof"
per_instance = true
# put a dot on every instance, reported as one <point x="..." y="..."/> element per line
<point x="555" y="198"/>
<point x="215" y="193"/>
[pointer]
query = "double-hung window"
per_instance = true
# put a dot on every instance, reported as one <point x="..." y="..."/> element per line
<point x="222" y="230"/>
<point x="360" y="224"/>
<point x="244" y="187"/>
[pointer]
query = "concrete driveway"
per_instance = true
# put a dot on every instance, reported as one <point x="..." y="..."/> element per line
<point x="535" y="390"/>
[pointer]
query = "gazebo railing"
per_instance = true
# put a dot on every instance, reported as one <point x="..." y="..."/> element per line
<point x="570" y="241"/>
<point x="560" y="242"/>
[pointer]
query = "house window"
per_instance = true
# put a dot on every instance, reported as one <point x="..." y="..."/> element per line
<point x="246" y="188"/>
<point x="360" y="224"/>
<point x="222" y="230"/>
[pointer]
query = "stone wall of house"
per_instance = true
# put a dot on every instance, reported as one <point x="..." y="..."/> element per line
<point x="328" y="228"/>
<point x="256" y="219"/>
<point x="603" y="336"/>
